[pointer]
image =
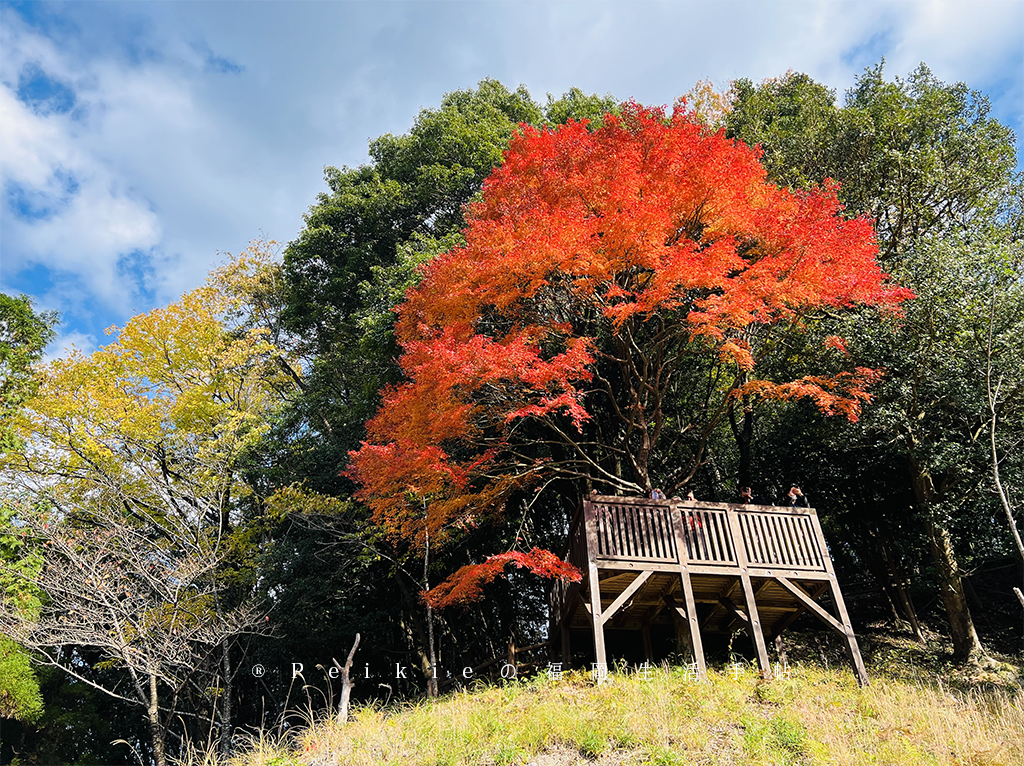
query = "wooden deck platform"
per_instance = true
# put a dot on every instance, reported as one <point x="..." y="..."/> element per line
<point x="703" y="567"/>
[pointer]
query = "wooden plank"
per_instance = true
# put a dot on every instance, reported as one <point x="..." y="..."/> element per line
<point x="665" y="529"/>
<point x="720" y="535"/>
<point x="622" y="500"/>
<point x="595" y="585"/>
<point x="675" y="605"/>
<point x="750" y="541"/>
<point x="650" y="535"/>
<point x="760" y="544"/>
<point x="632" y="588"/>
<point x="799" y="541"/>
<point x="809" y="559"/>
<point x="787" y="551"/>
<point x="704" y="569"/>
<point x="813" y="605"/>
<point x="748" y="594"/>
<point x="731" y="607"/>
<point x="647" y="525"/>
<point x="770" y="570"/>
<point x="852" y="649"/>
<point x="690" y="605"/>
<point x="811" y="541"/>
<point x="773" y="548"/>
<point x="634" y="531"/>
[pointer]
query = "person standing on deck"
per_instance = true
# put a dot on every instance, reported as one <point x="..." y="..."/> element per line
<point x="795" y="498"/>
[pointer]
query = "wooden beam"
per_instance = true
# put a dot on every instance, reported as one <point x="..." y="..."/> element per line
<point x="632" y="588"/>
<point x="748" y="595"/>
<point x="691" y="606"/>
<point x="815" y="591"/>
<point x="852" y="650"/>
<point x="726" y="592"/>
<point x="730" y="606"/>
<point x="746" y="624"/>
<point x="671" y="601"/>
<point x="813" y="605"/>
<point x="590" y="520"/>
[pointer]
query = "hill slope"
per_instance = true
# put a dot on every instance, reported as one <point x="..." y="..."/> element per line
<point x="814" y="716"/>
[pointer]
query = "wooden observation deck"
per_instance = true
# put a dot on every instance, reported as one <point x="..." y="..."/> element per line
<point x="705" y="567"/>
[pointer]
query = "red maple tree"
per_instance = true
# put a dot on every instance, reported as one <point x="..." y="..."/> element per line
<point x="619" y="291"/>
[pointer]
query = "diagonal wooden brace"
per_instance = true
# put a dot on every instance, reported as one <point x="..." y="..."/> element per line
<point x="632" y="588"/>
<point x="813" y="605"/>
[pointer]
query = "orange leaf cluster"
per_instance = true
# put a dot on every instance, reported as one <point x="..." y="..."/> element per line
<point x="465" y="586"/>
<point x="840" y="394"/>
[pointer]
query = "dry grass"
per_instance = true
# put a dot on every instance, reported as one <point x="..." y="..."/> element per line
<point x="813" y="717"/>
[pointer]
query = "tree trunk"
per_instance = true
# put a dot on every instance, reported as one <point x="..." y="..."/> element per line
<point x="883" y="577"/>
<point x="346" y="682"/>
<point x="418" y="637"/>
<point x="225" y="711"/>
<point x="156" y="731"/>
<point x="432" y="676"/>
<point x="966" y="643"/>
<point x="744" y="433"/>
<point x="900" y="581"/>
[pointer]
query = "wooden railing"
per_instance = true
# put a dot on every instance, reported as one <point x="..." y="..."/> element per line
<point x="641" y="530"/>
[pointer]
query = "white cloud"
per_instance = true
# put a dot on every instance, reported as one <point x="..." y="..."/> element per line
<point x="81" y="215"/>
<point x="63" y="345"/>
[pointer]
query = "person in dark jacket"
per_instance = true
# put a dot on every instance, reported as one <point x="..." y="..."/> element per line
<point x="795" y="498"/>
<point x="747" y="497"/>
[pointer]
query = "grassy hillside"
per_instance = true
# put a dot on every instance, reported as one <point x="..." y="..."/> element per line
<point x="908" y="715"/>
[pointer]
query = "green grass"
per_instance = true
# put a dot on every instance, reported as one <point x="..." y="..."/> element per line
<point x="909" y="714"/>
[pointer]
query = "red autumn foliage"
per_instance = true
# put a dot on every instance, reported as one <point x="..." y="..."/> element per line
<point x="467" y="584"/>
<point x="618" y="291"/>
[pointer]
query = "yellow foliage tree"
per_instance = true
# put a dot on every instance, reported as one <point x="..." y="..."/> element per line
<point x="129" y="481"/>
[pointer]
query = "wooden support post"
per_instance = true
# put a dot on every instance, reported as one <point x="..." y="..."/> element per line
<point x="780" y="650"/>
<point x="684" y="645"/>
<point x="645" y="633"/>
<point x="590" y="520"/>
<point x="852" y="649"/>
<point x="690" y="604"/>
<point x="566" y="647"/>
<point x="748" y="594"/>
<point x="682" y="630"/>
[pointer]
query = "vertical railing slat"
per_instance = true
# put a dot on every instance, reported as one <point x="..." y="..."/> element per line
<point x="780" y="541"/>
<point x="769" y="543"/>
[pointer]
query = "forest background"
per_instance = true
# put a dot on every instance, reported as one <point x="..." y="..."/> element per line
<point x="175" y="504"/>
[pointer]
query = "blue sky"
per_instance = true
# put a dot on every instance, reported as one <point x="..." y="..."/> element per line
<point x="139" y="142"/>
